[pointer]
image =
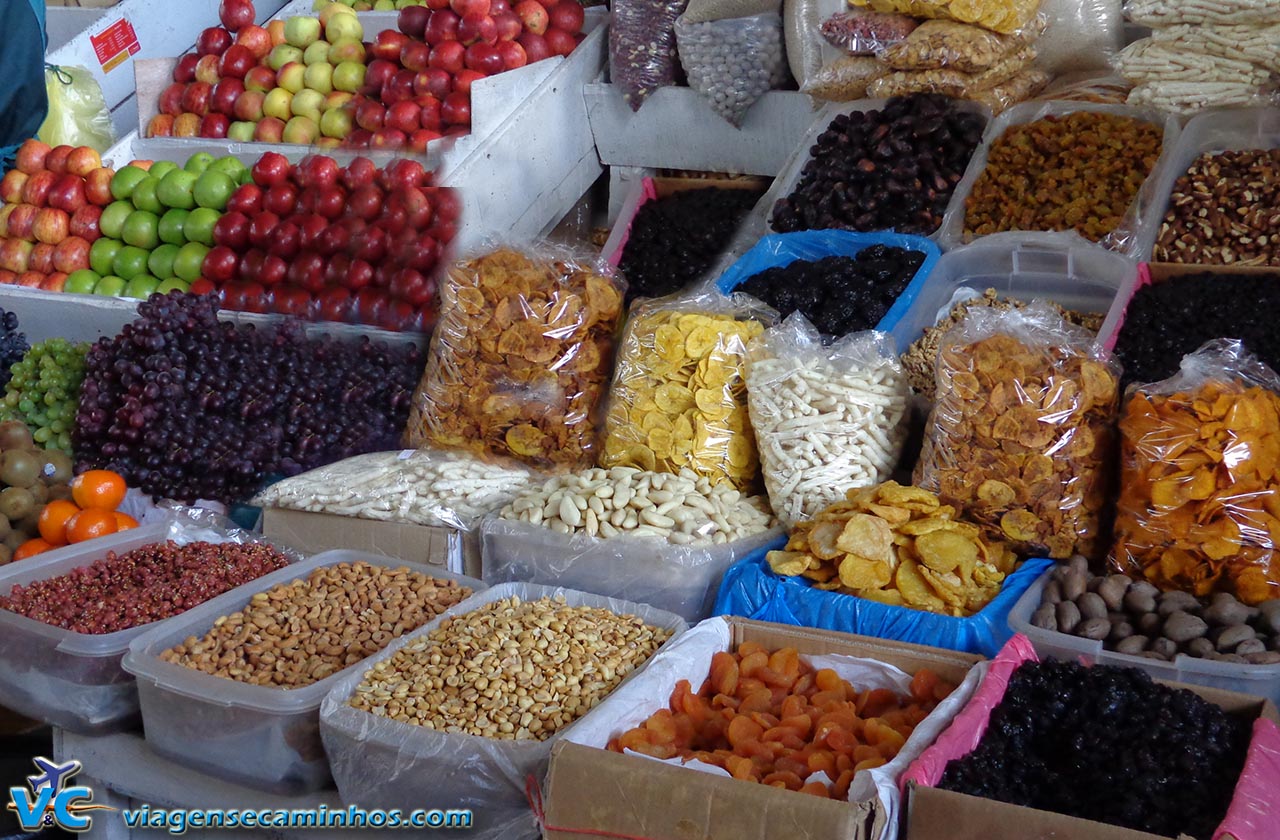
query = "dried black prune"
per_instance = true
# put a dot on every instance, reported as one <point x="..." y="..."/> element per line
<point x="918" y="146"/>
<point x="839" y="295"/>
<point x="675" y="239"/>
<point x="1107" y="744"/>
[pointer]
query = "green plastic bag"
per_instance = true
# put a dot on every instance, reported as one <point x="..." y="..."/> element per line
<point x="78" y="114"/>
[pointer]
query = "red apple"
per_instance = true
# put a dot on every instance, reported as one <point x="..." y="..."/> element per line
<point x="388" y="45"/>
<point x="484" y="58"/>
<point x="225" y="94"/>
<point x="203" y="286"/>
<point x="51" y="225"/>
<point x="412" y="20"/>
<point x="215" y="125"/>
<point x="195" y="100"/>
<point x="31" y="279"/>
<point x="97" y="186"/>
<point x="232" y="230"/>
<point x="411" y="286"/>
<point x="8" y="278"/>
<point x="237" y="61"/>
<point x="365" y="203"/>
<point x="448" y="56"/>
<point x="404" y="116"/>
<point x="161" y="125"/>
<point x="535" y="47"/>
<point x="322" y="171"/>
<point x="262" y="229"/>
<point x="442" y="27"/>
<point x="456" y="109"/>
<point x="359" y="138"/>
<point x="330" y="201"/>
<point x="83" y="160"/>
<point x="377" y="74"/>
<point x="513" y="55"/>
<point x="15" y="255"/>
<point x="432" y="81"/>
<point x="462" y="8"/>
<point x="307" y="271"/>
<point x="414" y="56"/>
<point x="370" y="306"/>
<point x="247" y="199"/>
<point x="403" y="174"/>
<point x="464" y="79"/>
<point x="497" y="7"/>
<point x="447" y="204"/>
<point x="185" y="71"/>
<point x="423" y="254"/>
<point x="272" y="169"/>
<point x="533" y="15"/>
<point x="22" y="220"/>
<point x="171" y="99"/>
<point x="429" y="115"/>
<point x="420" y="139"/>
<point x="388" y="138"/>
<point x="281" y="199"/>
<point x="186" y="125"/>
<point x="311" y="227"/>
<point x="250" y="264"/>
<point x="36" y="189"/>
<point x="84" y="223"/>
<point x="336" y="267"/>
<point x="257" y="39"/>
<point x="236" y="14"/>
<point x="508" y="25"/>
<point x="213" y="41"/>
<point x="71" y="254"/>
<point x="41" y="258"/>
<point x="269" y="130"/>
<point x="56" y="160"/>
<point x="11" y="186"/>
<point x="207" y="69"/>
<point x="56" y="281"/>
<point x="220" y="264"/>
<point x="474" y="29"/>
<point x="334" y="239"/>
<point x="67" y="193"/>
<point x="31" y="156"/>
<point x="370" y="115"/>
<point x="398" y="88"/>
<point x="273" y="271"/>
<point x="260" y="79"/>
<point x="359" y="172"/>
<point x="566" y="15"/>
<point x="359" y="275"/>
<point x="248" y="105"/>
<point x="559" y="41"/>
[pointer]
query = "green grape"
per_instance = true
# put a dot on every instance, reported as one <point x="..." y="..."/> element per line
<point x="44" y="390"/>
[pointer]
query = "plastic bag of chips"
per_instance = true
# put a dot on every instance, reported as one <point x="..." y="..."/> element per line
<point x="1020" y="437"/>
<point x="1002" y="16"/>
<point x="520" y="359"/>
<point x="1199" y="505"/>
<point x="679" y="390"/>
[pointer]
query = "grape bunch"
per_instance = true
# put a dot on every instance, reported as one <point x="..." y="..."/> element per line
<point x="43" y="391"/>
<point x="13" y="345"/>
<point x="189" y="407"/>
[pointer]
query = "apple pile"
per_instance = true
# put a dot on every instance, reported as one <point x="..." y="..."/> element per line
<point x="310" y="80"/>
<point x="317" y="240"/>
<point x="159" y="226"/>
<point x="53" y="200"/>
<point x="375" y="5"/>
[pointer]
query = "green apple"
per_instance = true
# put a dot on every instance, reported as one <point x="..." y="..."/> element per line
<point x="123" y="182"/>
<point x="283" y="54"/>
<point x="142" y="286"/>
<point x="144" y="195"/>
<point x="319" y="76"/>
<point x="278" y="104"/>
<point x="199" y="226"/>
<point x="343" y="26"/>
<point x="130" y="262"/>
<point x="81" y="282"/>
<point x="141" y="229"/>
<point x="336" y="122"/>
<point x="308" y="103"/>
<point x="346" y="50"/>
<point x="198" y="162"/>
<point x="171" y="225"/>
<point x="241" y="131"/>
<point x="110" y="285"/>
<point x="230" y="165"/>
<point x="301" y="130"/>
<point x="173" y="284"/>
<point x="317" y="52"/>
<point x="292" y="77"/>
<point x="349" y="76"/>
<point x="111" y="222"/>
<point x="213" y="189"/>
<point x="190" y="261"/>
<point x="384" y="6"/>
<point x="102" y="254"/>
<point x="161" y="168"/>
<point x="160" y="263"/>
<point x="176" y="189"/>
<point x="302" y="31"/>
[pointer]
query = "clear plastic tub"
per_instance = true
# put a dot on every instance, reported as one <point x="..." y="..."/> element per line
<point x="383" y="763"/>
<point x="1259" y="680"/>
<point x="212" y="724"/>
<point x="1062" y="267"/>
<point x="74" y="680"/>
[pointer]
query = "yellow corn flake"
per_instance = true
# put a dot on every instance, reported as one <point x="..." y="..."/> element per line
<point x="868" y="536"/>
<point x="864" y="573"/>
<point x="788" y="563"/>
<point x="944" y="551"/>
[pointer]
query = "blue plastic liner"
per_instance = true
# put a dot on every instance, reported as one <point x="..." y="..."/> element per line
<point x="751" y="589"/>
<point x="782" y="249"/>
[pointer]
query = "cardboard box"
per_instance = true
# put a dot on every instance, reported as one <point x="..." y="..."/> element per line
<point x="589" y="789"/>
<point x="934" y="814"/>
<point x="316" y="532"/>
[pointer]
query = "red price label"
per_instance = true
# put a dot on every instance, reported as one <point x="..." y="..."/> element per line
<point x="115" y="44"/>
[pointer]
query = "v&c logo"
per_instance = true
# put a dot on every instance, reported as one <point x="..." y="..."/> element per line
<point x="51" y="802"/>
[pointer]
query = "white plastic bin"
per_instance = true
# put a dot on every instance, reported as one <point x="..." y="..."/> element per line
<point x="267" y="738"/>
<point x="1259" y="680"/>
<point x="74" y="680"/>
<point x="383" y="763"/>
<point x="1061" y="267"/>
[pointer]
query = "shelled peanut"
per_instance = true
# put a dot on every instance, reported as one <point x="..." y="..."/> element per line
<point x="509" y="670"/>
<point x="298" y="633"/>
<point x="770" y="717"/>
<point x="1223" y="211"/>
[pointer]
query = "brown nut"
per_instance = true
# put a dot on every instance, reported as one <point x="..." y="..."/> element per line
<point x="1068" y="616"/>
<point x="1091" y="605"/>
<point x="1182" y="627"/>
<point x="1094" y="628"/>
<point x="1046" y="617"/>
<point x="1132" y="645"/>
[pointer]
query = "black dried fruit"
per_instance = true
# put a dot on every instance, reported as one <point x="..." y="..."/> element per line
<point x="839" y="295"/>
<point x="674" y="240"/>
<point x="1107" y="744"/>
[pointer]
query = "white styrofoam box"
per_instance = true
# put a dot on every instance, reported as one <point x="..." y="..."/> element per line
<point x="385" y="763"/>
<point x="677" y="129"/>
<point x="1062" y="267"/>
<point x="1259" y="680"/>
<point x="162" y="29"/>
<point x="211" y="723"/>
<point x="74" y="680"/>
<point x="62" y="23"/>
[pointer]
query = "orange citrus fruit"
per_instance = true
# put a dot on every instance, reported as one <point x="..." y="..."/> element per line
<point x="53" y="521"/>
<point x="124" y="521"/>
<point x="98" y="490"/>
<point x="31" y="548"/>
<point x="91" y="524"/>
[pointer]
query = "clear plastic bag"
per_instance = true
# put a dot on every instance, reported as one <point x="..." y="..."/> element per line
<point x="806" y="47"/>
<point x="1020" y="436"/>
<point x="1091" y="86"/>
<point x="936" y="44"/>
<point x="1187" y="98"/>
<point x="844" y="80"/>
<point x="952" y="82"/>
<point x="1002" y="16"/>
<point x="863" y="32"/>
<point x="732" y="62"/>
<point x="1199" y="505"/>
<point x="1150" y="61"/>
<point x="999" y="98"/>
<point x="417" y="486"/>
<point x="679" y="393"/>
<point x="520" y="358"/>
<point x="642" y="47"/>
<point x="1160" y="13"/>
<point x="1257" y="44"/>
<point x="78" y="114"/>
<point x="1081" y="35"/>
<point x="826" y="419"/>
